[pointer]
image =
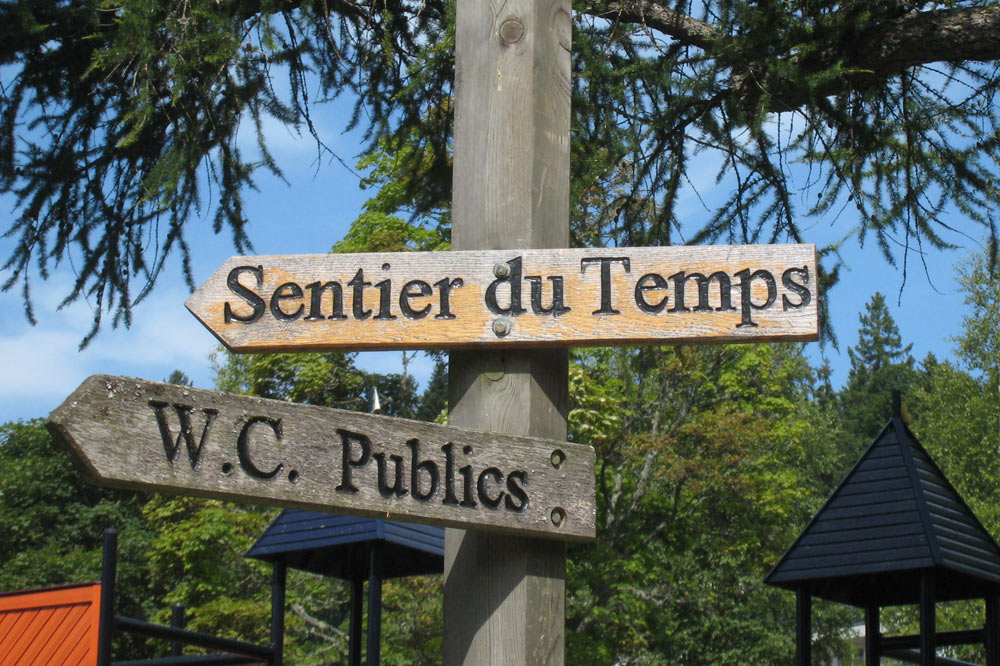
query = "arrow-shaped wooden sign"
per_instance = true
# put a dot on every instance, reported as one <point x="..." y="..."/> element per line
<point x="517" y="298"/>
<point x="130" y="433"/>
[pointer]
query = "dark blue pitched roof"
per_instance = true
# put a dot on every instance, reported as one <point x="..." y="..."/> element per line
<point x="334" y="545"/>
<point x="894" y="517"/>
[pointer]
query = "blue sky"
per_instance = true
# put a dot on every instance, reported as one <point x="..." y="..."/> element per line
<point x="41" y="364"/>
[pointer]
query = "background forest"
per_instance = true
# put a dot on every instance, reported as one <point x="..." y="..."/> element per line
<point x="710" y="461"/>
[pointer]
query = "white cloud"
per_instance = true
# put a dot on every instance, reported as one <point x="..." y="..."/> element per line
<point x="43" y="364"/>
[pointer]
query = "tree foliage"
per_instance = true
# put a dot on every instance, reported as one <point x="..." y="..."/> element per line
<point x="120" y="123"/>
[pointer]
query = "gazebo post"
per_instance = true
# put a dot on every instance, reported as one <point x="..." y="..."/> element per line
<point x="928" y="624"/>
<point x="803" y="627"/>
<point x="374" y="649"/>
<point x="992" y="631"/>
<point x="357" y="603"/>
<point x="873" y="634"/>
<point x="279" y="577"/>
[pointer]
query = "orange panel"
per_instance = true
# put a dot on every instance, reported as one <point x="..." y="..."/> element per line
<point x="51" y="627"/>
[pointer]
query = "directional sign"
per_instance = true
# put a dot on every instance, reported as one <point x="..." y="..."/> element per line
<point x="579" y="297"/>
<point x="135" y="434"/>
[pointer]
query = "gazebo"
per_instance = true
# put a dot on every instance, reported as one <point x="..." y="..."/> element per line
<point x="353" y="549"/>
<point x="895" y="532"/>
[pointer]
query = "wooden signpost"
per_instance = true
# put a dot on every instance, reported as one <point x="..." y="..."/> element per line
<point x="512" y="298"/>
<point x="141" y="435"/>
<point x="508" y="303"/>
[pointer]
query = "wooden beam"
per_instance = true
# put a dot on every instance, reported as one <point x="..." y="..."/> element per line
<point x="505" y="598"/>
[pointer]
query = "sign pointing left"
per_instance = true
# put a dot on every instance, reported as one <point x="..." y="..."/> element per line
<point x="141" y="435"/>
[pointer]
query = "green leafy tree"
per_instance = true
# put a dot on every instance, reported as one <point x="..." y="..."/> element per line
<point x="53" y="524"/>
<point x="708" y="460"/>
<point x="113" y="115"/>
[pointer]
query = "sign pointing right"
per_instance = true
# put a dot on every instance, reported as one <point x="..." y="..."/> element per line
<point x="141" y="435"/>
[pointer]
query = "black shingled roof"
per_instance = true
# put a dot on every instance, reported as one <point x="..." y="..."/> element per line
<point x="333" y="545"/>
<point x="893" y="518"/>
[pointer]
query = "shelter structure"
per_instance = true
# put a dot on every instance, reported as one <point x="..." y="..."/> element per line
<point x="895" y="532"/>
<point x="356" y="550"/>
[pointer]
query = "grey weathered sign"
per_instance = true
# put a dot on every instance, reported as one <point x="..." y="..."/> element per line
<point x="136" y="434"/>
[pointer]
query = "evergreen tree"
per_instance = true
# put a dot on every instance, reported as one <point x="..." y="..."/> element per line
<point x="880" y="364"/>
<point x="112" y="116"/>
<point x="434" y="399"/>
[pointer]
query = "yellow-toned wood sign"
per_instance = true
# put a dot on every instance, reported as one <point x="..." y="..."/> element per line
<point x="518" y="298"/>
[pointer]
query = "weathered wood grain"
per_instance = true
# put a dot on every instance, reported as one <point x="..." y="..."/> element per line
<point x="504" y="600"/>
<point x="128" y="433"/>
<point x="417" y="300"/>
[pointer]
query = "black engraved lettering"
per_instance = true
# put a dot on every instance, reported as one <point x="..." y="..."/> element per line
<point x="468" y="492"/>
<point x="414" y="289"/>
<point x="243" y="447"/>
<point x="449" y="474"/>
<point x="746" y="298"/>
<point x="385" y="297"/>
<point x="444" y="288"/>
<point x="416" y="467"/>
<point x="650" y="282"/>
<point x="397" y="488"/>
<point x="517" y="497"/>
<point x="805" y="297"/>
<point x="348" y="461"/>
<point x="513" y="280"/>
<point x="483" y="491"/>
<point x="248" y="295"/>
<point x="316" y="301"/>
<point x="171" y="446"/>
<point x="286" y="292"/>
<point x="725" y="291"/>
<point x="558" y="306"/>
<point x="605" y="263"/>
<point x="358" y="298"/>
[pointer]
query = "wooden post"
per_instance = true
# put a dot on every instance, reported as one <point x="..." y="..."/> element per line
<point x="505" y="596"/>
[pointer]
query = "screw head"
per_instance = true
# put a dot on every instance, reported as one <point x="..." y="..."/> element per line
<point x="501" y="327"/>
<point x="557" y="458"/>
<point x="501" y="270"/>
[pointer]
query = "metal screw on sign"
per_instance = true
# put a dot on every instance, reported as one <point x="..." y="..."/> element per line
<point x="501" y="327"/>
